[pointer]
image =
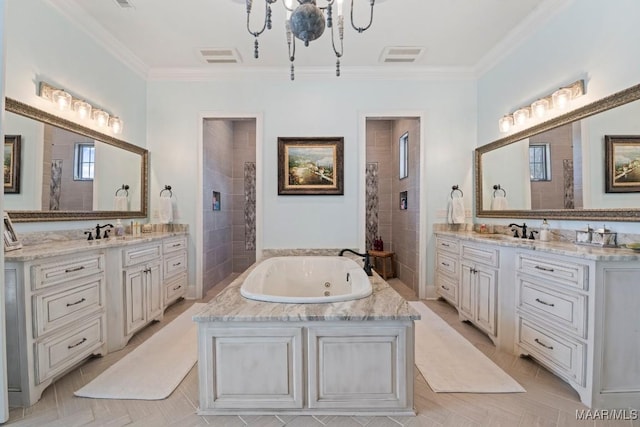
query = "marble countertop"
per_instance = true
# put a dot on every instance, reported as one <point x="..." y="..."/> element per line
<point x="383" y="304"/>
<point x="595" y="253"/>
<point x="66" y="247"/>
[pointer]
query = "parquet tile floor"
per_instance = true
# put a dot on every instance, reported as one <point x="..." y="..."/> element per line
<point x="548" y="401"/>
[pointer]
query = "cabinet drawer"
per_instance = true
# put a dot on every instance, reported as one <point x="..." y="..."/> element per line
<point x="447" y="288"/>
<point x="56" y="309"/>
<point x="565" y="310"/>
<point x="65" y="269"/>
<point x="449" y="245"/>
<point x="138" y="254"/>
<point x="447" y="263"/>
<point x="486" y="256"/>
<point x="566" y="273"/>
<point x="175" y="288"/>
<point x="175" y="264"/>
<point x="174" y="244"/>
<point x="61" y="351"/>
<point x="558" y="352"/>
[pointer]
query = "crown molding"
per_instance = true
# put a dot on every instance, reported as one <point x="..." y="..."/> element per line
<point x="88" y="25"/>
<point x="519" y="34"/>
<point x="307" y="73"/>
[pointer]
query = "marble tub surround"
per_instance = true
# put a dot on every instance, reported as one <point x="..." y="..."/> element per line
<point x="51" y="243"/>
<point x="383" y="304"/>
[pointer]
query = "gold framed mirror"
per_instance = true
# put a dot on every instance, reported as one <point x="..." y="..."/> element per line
<point x="505" y="166"/>
<point x="117" y="168"/>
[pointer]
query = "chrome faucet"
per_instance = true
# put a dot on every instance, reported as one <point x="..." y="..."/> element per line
<point x="523" y="227"/>
<point x="367" y="261"/>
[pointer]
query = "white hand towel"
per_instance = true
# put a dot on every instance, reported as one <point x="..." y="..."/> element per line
<point x="120" y="203"/>
<point x="456" y="211"/>
<point x="499" y="203"/>
<point x="165" y="210"/>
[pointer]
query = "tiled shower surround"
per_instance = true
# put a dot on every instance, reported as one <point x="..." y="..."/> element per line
<point x="229" y="168"/>
<point x="398" y="228"/>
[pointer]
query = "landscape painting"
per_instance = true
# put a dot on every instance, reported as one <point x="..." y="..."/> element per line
<point x="622" y="160"/>
<point x="310" y="166"/>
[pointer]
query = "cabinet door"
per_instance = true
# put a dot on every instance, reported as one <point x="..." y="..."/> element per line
<point x="155" y="300"/>
<point x="134" y="299"/>
<point x="485" y="299"/>
<point x="466" y="295"/>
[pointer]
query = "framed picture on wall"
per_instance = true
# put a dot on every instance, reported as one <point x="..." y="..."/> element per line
<point x="12" y="163"/>
<point x="310" y="166"/>
<point x="403" y="155"/>
<point x="622" y="164"/>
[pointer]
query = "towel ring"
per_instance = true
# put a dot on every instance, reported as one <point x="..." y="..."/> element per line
<point x="166" y="188"/>
<point x="497" y="188"/>
<point x="124" y="188"/>
<point x="454" y="189"/>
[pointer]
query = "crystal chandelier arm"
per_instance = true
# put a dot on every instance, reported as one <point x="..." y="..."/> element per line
<point x="267" y="17"/>
<point x="340" y="37"/>
<point x="362" y="29"/>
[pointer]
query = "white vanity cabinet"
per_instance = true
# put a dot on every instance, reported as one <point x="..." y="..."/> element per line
<point x="174" y="253"/>
<point x="136" y="296"/>
<point x="447" y="269"/>
<point x="55" y="318"/>
<point x="478" y="297"/>
<point x="579" y="318"/>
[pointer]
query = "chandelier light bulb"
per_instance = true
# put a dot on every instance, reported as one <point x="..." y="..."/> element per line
<point x="561" y="98"/>
<point x="505" y="123"/>
<point x="340" y="7"/>
<point x="62" y="99"/>
<point x="540" y="108"/>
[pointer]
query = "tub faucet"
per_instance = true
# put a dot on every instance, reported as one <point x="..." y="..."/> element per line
<point x="523" y="227"/>
<point x="367" y="261"/>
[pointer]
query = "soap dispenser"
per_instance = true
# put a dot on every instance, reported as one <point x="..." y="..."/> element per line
<point x="119" y="228"/>
<point x="544" y="231"/>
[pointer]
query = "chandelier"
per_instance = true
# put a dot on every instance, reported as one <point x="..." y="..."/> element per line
<point x="306" y="22"/>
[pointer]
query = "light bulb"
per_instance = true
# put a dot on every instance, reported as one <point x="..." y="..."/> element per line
<point x="62" y="99"/>
<point x="83" y="109"/>
<point x="521" y="116"/>
<point x="115" y="123"/>
<point x="540" y="108"/>
<point x="101" y="117"/>
<point x="505" y="123"/>
<point x="340" y="7"/>
<point x="561" y="98"/>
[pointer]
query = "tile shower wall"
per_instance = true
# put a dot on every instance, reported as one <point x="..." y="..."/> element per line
<point x="243" y="197"/>
<point x="398" y="228"/>
<point x="217" y="225"/>
<point x="404" y="223"/>
<point x="378" y="158"/>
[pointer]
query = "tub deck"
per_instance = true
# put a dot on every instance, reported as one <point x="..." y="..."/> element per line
<point x="350" y="357"/>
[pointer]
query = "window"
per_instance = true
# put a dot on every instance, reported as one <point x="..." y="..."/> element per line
<point x="539" y="162"/>
<point x="85" y="157"/>
<point x="404" y="155"/>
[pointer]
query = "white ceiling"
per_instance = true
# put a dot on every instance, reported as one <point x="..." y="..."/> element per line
<point x="166" y="35"/>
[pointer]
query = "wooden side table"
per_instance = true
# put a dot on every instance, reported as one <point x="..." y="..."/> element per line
<point x="380" y="259"/>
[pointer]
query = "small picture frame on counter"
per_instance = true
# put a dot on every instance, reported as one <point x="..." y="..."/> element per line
<point x="11" y="241"/>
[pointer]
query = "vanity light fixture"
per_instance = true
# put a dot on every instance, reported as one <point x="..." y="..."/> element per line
<point x="83" y="110"/>
<point x="559" y="100"/>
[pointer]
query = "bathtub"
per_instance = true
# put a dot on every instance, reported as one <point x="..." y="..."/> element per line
<point x="306" y="279"/>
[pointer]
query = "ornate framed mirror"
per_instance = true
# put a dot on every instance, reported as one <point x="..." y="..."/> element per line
<point x="556" y="169"/>
<point x="71" y="172"/>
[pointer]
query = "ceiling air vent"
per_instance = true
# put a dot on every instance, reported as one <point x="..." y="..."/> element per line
<point x="399" y="54"/>
<point x="125" y="4"/>
<point x="219" y="55"/>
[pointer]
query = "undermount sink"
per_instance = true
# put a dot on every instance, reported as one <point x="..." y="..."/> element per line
<point x="506" y="238"/>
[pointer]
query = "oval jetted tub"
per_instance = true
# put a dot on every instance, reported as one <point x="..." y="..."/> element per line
<point x="306" y="279"/>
